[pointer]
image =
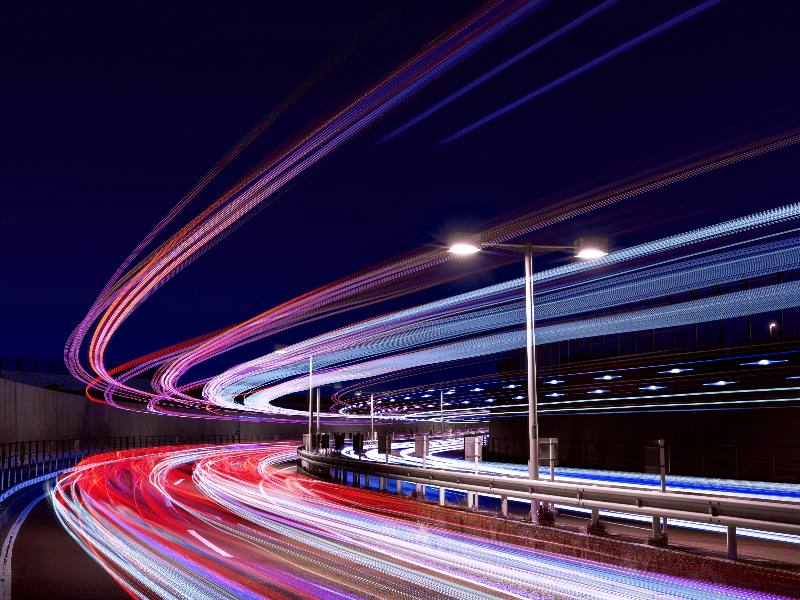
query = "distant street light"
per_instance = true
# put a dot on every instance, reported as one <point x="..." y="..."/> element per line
<point x="461" y="243"/>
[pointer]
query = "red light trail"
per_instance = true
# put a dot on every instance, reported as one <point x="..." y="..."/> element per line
<point x="210" y="522"/>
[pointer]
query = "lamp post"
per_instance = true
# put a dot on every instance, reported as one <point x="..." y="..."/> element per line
<point x="441" y="410"/>
<point x="310" y="399"/>
<point x="586" y="247"/>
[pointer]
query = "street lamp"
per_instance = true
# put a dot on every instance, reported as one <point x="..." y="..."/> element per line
<point x="461" y="243"/>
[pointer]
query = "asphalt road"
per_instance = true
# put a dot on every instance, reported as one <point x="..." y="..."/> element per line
<point x="239" y="523"/>
<point x="47" y="564"/>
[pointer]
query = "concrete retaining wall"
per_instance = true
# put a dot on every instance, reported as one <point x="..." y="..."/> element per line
<point x="32" y="413"/>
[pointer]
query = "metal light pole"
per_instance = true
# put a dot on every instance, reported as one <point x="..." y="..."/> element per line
<point x="441" y="409"/>
<point x="310" y="398"/>
<point x="530" y="349"/>
<point x="318" y="394"/>
<point x="462" y="243"/>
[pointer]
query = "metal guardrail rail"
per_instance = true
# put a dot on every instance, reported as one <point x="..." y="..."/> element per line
<point x="775" y="516"/>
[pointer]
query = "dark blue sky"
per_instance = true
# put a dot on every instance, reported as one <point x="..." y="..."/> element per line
<point x="109" y="114"/>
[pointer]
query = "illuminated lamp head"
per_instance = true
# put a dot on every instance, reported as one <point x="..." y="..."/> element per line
<point x="591" y="247"/>
<point x="461" y="243"/>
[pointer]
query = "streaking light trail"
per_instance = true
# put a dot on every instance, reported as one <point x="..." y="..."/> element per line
<point x="243" y="527"/>
<point x="414" y="271"/>
<point x="272" y="376"/>
<point x="513" y="60"/>
<point x="582" y="69"/>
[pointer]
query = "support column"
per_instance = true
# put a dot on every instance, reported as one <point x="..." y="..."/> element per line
<point x="731" y="541"/>
<point x="504" y="505"/>
<point x="399" y="487"/>
<point x="381" y="484"/>
<point x="441" y="496"/>
<point x="656" y="528"/>
<point x="595" y="517"/>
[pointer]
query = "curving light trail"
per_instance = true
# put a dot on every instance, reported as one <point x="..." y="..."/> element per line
<point x="582" y="69"/>
<point x="391" y="279"/>
<point x="232" y="523"/>
<point x="351" y="352"/>
<point x="501" y="67"/>
<point x="125" y="293"/>
<point x="416" y="270"/>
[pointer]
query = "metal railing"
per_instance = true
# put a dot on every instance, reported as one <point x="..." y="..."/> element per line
<point x="21" y="461"/>
<point x="764" y="515"/>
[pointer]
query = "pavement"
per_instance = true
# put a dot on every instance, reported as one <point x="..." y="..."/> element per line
<point x="47" y="563"/>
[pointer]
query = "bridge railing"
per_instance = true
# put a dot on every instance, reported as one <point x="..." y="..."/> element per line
<point x="732" y="513"/>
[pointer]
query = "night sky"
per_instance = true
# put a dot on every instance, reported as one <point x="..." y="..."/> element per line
<point x="110" y="112"/>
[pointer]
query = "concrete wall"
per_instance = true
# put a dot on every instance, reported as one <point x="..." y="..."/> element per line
<point x="32" y="413"/>
<point x="63" y="381"/>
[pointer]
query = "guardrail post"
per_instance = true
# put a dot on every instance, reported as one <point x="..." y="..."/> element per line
<point x="731" y="541"/>
<point x="441" y="496"/>
<point x="534" y="510"/>
<point x="595" y="518"/>
<point x="504" y="505"/>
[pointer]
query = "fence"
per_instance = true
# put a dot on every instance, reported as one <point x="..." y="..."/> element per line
<point x="726" y="461"/>
<point x="20" y="461"/>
